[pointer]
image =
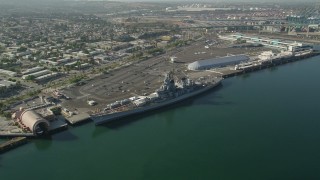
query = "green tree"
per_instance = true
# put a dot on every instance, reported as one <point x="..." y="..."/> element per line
<point x="54" y="69"/>
<point x="22" y="49"/>
<point x="30" y="78"/>
<point x="2" y="48"/>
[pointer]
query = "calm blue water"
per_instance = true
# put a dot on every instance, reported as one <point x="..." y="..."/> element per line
<point x="263" y="125"/>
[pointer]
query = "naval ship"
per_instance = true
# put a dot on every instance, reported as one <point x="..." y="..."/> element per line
<point x="170" y="92"/>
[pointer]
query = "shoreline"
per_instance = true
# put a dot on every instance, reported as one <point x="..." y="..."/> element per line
<point x="19" y="141"/>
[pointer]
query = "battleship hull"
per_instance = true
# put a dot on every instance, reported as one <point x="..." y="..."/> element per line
<point x="104" y="118"/>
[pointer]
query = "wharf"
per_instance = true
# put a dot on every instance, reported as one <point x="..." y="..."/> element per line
<point x="78" y="118"/>
<point x="230" y="72"/>
<point x="58" y="125"/>
<point x="13" y="143"/>
<point x="12" y="134"/>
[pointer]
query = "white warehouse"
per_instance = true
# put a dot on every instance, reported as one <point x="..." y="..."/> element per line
<point x="9" y="73"/>
<point x="37" y="74"/>
<point x="218" y="62"/>
<point x="32" y="70"/>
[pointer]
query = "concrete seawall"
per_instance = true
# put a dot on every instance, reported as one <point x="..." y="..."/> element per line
<point x="13" y="143"/>
<point x="270" y="64"/>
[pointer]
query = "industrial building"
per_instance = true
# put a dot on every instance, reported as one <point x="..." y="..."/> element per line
<point x="33" y="70"/>
<point x="53" y="63"/>
<point x="29" y="120"/>
<point x="47" y="76"/>
<point x="63" y="61"/>
<point x="217" y="62"/>
<point x="37" y="74"/>
<point x="7" y="84"/>
<point x="272" y="43"/>
<point x="7" y="72"/>
<point x="84" y="65"/>
<point x="71" y="63"/>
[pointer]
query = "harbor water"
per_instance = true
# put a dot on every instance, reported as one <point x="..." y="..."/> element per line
<point x="263" y="125"/>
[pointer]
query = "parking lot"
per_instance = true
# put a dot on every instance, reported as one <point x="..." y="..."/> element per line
<point x="143" y="78"/>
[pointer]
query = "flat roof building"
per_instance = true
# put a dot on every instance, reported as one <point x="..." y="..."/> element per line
<point x="5" y="83"/>
<point x="32" y="70"/>
<point x="7" y="72"/>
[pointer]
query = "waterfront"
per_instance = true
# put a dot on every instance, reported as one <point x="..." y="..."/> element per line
<point x="263" y="125"/>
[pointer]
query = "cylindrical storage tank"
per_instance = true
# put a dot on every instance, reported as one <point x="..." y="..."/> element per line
<point x="34" y="122"/>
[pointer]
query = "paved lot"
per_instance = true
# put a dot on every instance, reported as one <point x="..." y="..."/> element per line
<point x="7" y="127"/>
<point x="146" y="76"/>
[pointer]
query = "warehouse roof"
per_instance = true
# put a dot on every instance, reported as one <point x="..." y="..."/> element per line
<point x="217" y="61"/>
<point x="5" y="83"/>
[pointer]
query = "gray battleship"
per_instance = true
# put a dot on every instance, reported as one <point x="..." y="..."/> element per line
<point x="169" y="93"/>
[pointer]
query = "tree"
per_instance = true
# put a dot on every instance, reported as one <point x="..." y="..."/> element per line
<point x="85" y="51"/>
<point x="22" y="49"/>
<point x="18" y="83"/>
<point x="54" y="69"/>
<point x="56" y="110"/>
<point x="7" y="114"/>
<point x="78" y="64"/>
<point x="125" y="38"/>
<point x="2" y="48"/>
<point x="30" y="78"/>
<point x="13" y="80"/>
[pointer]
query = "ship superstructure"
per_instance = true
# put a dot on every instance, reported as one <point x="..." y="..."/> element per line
<point x="169" y="92"/>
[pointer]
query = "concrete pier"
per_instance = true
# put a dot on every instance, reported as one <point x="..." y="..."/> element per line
<point x="58" y="125"/>
<point x="230" y="73"/>
<point x="78" y="118"/>
<point x="13" y="143"/>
